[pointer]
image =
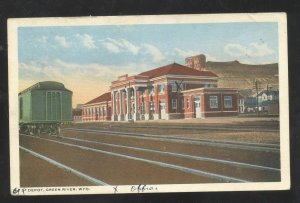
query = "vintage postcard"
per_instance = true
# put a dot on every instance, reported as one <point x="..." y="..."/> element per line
<point x="147" y="104"/>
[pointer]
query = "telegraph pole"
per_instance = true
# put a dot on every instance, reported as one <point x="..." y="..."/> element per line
<point x="256" y="86"/>
<point x="269" y="87"/>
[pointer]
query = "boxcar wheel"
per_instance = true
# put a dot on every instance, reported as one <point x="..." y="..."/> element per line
<point x="38" y="132"/>
<point x="58" y="130"/>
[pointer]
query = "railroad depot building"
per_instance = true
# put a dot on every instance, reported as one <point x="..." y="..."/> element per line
<point x="98" y="109"/>
<point x="173" y="91"/>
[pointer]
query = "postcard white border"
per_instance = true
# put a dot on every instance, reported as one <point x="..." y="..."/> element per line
<point x="13" y="65"/>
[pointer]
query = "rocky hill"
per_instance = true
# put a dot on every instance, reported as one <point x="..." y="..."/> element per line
<point x="234" y="74"/>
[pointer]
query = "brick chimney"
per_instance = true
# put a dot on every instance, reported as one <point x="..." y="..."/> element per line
<point x="197" y="62"/>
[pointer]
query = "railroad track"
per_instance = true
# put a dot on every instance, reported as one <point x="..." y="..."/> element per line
<point x="268" y="147"/>
<point x="84" y="145"/>
<point x="216" y="128"/>
<point x="187" y="156"/>
<point x="65" y="167"/>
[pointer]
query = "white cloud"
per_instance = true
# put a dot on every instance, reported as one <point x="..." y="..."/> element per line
<point x="87" y="81"/>
<point x="123" y="45"/>
<point x="156" y="54"/>
<point x="130" y="47"/>
<point x="261" y="49"/>
<point x="43" y="40"/>
<point x="119" y="45"/>
<point x="87" y="41"/>
<point x="252" y="50"/>
<point x="61" y="41"/>
<point x="114" y="41"/>
<point x="111" y="47"/>
<point x="185" y="53"/>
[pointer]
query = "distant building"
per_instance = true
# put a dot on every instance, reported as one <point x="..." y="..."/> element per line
<point x="98" y="109"/>
<point x="268" y="95"/>
<point x="77" y="115"/>
<point x="79" y="106"/>
<point x="265" y="100"/>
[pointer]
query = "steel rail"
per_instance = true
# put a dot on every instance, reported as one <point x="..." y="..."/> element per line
<point x="239" y="145"/>
<point x="65" y="167"/>
<point x="161" y="164"/>
<point x="199" y="158"/>
<point x="217" y="128"/>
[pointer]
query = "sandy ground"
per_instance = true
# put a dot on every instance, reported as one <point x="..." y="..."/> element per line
<point x="215" y="120"/>
<point x="239" y="155"/>
<point x="218" y="168"/>
<point x="110" y="169"/>
<point x="36" y="172"/>
<point x="118" y="170"/>
<point x="218" y="120"/>
<point x="262" y="130"/>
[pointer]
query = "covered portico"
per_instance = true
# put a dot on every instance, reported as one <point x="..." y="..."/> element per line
<point x="125" y="97"/>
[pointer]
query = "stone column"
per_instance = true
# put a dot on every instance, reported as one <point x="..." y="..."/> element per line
<point x="128" y="113"/>
<point x="147" y="103"/>
<point x="136" y="114"/>
<point x="114" y="116"/>
<point x="156" y="103"/>
<point x="121" y="114"/>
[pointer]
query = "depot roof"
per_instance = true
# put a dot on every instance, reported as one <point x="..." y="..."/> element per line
<point x="102" y="98"/>
<point x="46" y="85"/>
<point x="176" y="69"/>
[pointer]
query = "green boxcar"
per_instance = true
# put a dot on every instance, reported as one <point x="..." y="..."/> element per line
<point x="43" y="107"/>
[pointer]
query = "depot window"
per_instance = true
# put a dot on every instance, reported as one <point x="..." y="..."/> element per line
<point x="174" y="103"/>
<point x="213" y="101"/>
<point x="161" y="88"/>
<point x="182" y="103"/>
<point x="151" y="89"/>
<point x="174" y="87"/>
<point x="228" y="101"/>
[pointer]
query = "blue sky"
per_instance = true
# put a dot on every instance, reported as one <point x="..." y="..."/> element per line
<point x="96" y="55"/>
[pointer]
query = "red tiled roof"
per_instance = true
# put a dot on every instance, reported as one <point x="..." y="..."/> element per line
<point x="104" y="97"/>
<point x="176" y="69"/>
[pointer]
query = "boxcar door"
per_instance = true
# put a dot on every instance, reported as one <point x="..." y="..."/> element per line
<point x="54" y="106"/>
<point x="58" y="106"/>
